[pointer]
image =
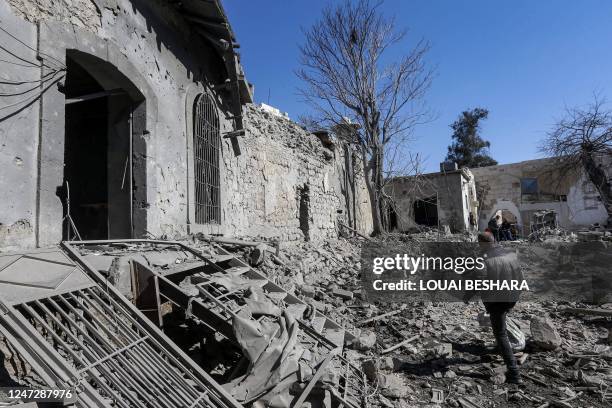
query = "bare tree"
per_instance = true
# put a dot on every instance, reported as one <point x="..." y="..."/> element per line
<point x="582" y="139"/>
<point x="348" y="81"/>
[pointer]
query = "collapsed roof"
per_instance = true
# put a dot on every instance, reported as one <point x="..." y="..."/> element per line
<point x="211" y="23"/>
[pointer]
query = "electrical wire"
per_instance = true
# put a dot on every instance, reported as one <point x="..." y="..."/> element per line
<point x="31" y="101"/>
<point x="18" y="57"/>
<point x="51" y="58"/>
<point x="34" y="81"/>
<point x="30" y="89"/>
<point x="18" y="64"/>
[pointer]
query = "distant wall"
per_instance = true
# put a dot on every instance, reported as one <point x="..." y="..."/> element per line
<point x="571" y="195"/>
<point x="454" y="192"/>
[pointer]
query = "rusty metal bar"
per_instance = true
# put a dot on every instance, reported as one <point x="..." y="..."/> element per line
<point x="139" y="357"/>
<point x="191" y="370"/>
<point x="153" y="354"/>
<point x="69" y="333"/>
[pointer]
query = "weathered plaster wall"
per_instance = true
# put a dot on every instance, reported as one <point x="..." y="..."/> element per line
<point x="18" y="137"/>
<point x="167" y="65"/>
<point x="572" y="196"/>
<point x="146" y="42"/>
<point x="454" y="192"/>
<point x="263" y="185"/>
<point x="79" y="13"/>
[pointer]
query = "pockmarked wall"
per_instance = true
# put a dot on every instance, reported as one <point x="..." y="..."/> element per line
<point x="145" y="42"/>
<point x="452" y="193"/>
<point x="284" y="184"/>
<point x="570" y="194"/>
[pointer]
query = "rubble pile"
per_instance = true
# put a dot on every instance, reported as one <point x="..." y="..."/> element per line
<point x="291" y="326"/>
<point x="443" y="354"/>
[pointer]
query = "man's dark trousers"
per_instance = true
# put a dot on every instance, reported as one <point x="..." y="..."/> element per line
<point x="497" y="312"/>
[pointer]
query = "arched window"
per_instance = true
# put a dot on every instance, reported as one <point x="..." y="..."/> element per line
<point x="206" y="150"/>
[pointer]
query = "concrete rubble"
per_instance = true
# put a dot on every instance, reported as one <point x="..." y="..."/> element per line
<point x="258" y="300"/>
<point x="285" y="332"/>
<point x="544" y="333"/>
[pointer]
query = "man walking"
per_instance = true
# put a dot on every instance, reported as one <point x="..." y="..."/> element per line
<point x="501" y="265"/>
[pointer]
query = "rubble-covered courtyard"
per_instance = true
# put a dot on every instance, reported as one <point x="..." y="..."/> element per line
<point x="414" y="210"/>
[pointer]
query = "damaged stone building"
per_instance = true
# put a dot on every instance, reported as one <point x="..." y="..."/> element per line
<point x="125" y="119"/>
<point x="127" y="123"/>
<point x="525" y="194"/>
<point x="445" y="198"/>
<point x="521" y="191"/>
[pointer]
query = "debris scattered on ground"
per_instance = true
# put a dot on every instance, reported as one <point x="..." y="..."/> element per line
<point x="544" y="333"/>
<point x="421" y="354"/>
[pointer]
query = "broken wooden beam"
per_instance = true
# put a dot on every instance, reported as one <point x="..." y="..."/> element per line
<point x="400" y="344"/>
<point x="592" y="312"/>
<point x="95" y="95"/>
<point x="241" y="243"/>
<point x="382" y="316"/>
<point x="236" y="133"/>
<point x="355" y="231"/>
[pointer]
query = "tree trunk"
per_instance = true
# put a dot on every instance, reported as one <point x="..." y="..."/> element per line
<point x="379" y="185"/>
<point x="369" y="170"/>
<point x="598" y="177"/>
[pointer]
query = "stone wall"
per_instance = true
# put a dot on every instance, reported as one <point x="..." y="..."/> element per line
<point x="144" y="41"/>
<point x="148" y="44"/>
<point x="265" y="186"/>
<point x="570" y="194"/>
<point x="453" y="191"/>
<point x="79" y="13"/>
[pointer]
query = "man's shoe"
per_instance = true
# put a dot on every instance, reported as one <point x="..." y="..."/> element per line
<point x="513" y="377"/>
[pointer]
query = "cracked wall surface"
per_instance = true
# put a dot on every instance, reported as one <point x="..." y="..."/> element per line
<point x="264" y="183"/>
<point x="80" y="13"/>
<point x="571" y="195"/>
<point x="452" y="192"/>
<point x="169" y="64"/>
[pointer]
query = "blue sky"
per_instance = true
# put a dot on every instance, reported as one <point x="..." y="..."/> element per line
<point x="523" y="60"/>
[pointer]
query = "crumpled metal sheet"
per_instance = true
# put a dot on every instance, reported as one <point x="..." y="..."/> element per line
<point x="271" y="365"/>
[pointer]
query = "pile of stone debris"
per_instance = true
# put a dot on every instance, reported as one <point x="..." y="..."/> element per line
<point x="298" y="314"/>
<point x="442" y="354"/>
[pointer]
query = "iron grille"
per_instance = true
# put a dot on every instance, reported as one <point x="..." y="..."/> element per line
<point x="207" y="147"/>
<point x="112" y="351"/>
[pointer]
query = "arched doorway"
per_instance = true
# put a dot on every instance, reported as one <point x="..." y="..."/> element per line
<point x="504" y="208"/>
<point x="508" y="212"/>
<point x="104" y="173"/>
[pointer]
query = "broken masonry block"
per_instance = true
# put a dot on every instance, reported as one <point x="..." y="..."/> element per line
<point x="393" y="386"/>
<point x="308" y="291"/>
<point x="344" y="294"/>
<point x="544" y="334"/>
<point x="437" y="396"/>
<point x="365" y="341"/>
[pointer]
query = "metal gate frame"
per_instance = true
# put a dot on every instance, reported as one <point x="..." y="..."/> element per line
<point x="217" y="315"/>
<point x="104" y="341"/>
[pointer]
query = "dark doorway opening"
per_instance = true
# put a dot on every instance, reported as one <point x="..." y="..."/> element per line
<point x="426" y="211"/>
<point x="391" y="217"/>
<point x="304" y="211"/>
<point x="98" y="152"/>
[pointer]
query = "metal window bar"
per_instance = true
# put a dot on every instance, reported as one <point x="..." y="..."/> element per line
<point x="207" y="148"/>
<point x="352" y="389"/>
<point x="41" y="355"/>
<point x="113" y="351"/>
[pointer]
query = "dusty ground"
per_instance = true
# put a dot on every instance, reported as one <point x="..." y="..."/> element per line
<point x="447" y="358"/>
<point x="453" y="359"/>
